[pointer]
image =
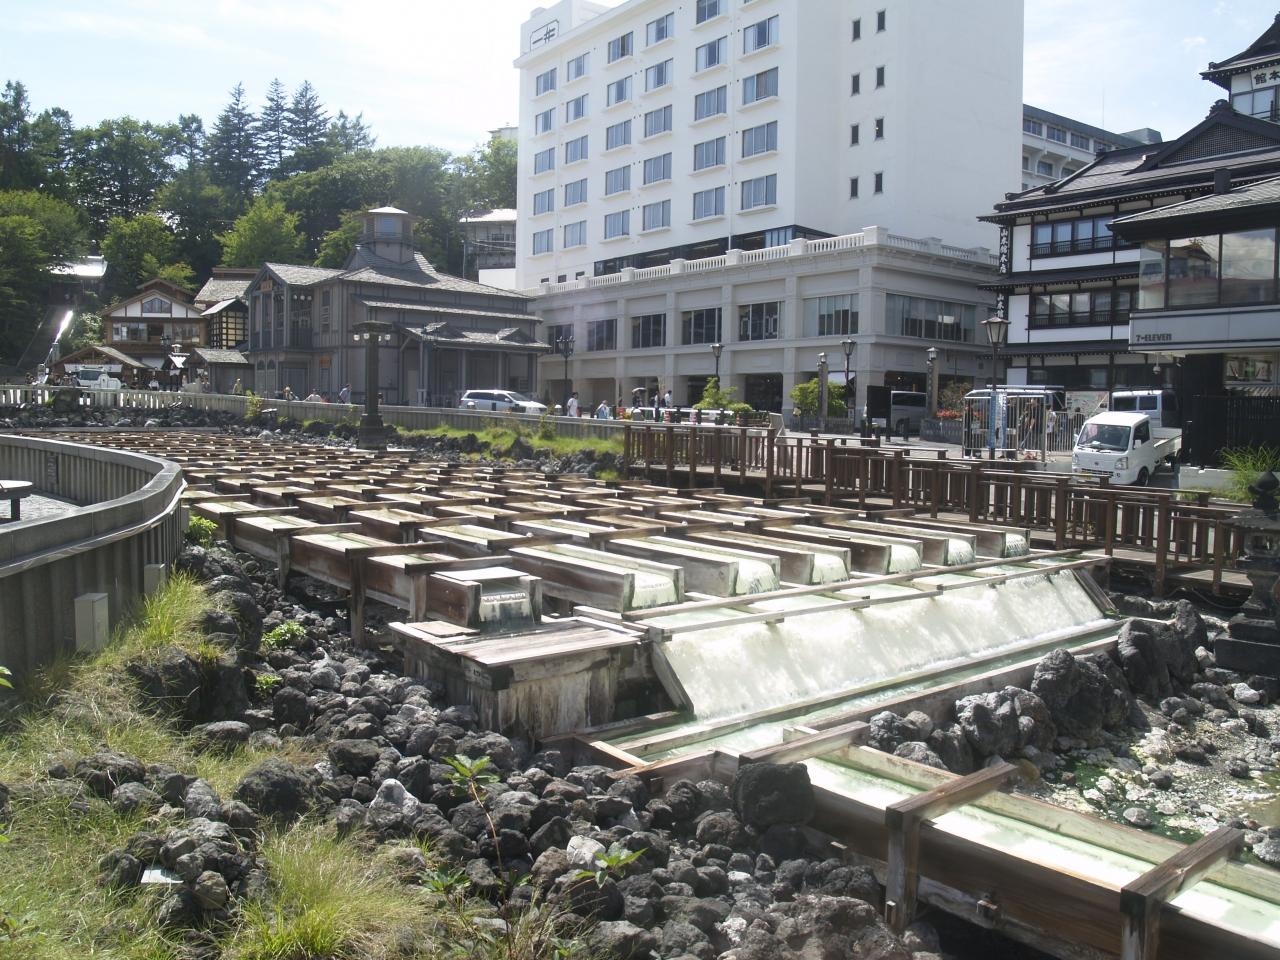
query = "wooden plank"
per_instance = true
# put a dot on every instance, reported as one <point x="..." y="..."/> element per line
<point x="812" y="745"/>
<point x="1142" y="900"/>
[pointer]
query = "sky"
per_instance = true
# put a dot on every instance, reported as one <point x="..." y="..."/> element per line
<point x="439" y="72"/>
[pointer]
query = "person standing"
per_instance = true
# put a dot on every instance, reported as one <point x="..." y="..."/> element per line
<point x="572" y="408"/>
<point x="667" y="400"/>
<point x="344" y="395"/>
<point x="602" y="411"/>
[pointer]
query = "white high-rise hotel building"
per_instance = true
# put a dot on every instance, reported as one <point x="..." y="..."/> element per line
<point x="697" y="133"/>
<point x="658" y="129"/>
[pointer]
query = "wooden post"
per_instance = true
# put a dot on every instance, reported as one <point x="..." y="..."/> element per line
<point x="1220" y="550"/>
<point x="671" y="455"/>
<point x="972" y="488"/>
<point x="1061" y="510"/>
<point x="903" y="819"/>
<point x="797" y="467"/>
<point x="692" y="444"/>
<point x="935" y="487"/>
<point x="743" y="440"/>
<point x="717" y="450"/>
<point x="770" y="455"/>
<point x="626" y="451"/>
<point x="852" y="734"/>
<point x="1109" y="522"/>
<point x="1141" y="900"/>
<point x="1162" y="546"/>
<point x="830" y="455"/>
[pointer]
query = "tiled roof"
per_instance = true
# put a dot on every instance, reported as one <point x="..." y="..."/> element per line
<point x="1260" y="194"/>
<point x="1107" y="271"/>
<point x="365" y="266"/>
<point x="223" y="288"/>
<point x="301" y="276"/>
<point x="216" y="355"/>
<point x="512" y="338"/>
<point x="445" y="309"/>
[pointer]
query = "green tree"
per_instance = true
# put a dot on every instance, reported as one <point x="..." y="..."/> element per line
<point x="19" y="164"/>
<point x="232" y="149"/>
<point x="136" y="249"/>
<point x="53" y="138"/>
<point x="86" y="331"/>
<point x="36" y="233"/>
<point x="804" y="397"/>
<point x="338" y="243"/>
<point x="118" y="167"/>
<point x="306" y="123"/>
<point x="273" y="128"/>
<point x="487" y="176"/>
<point x="189" y="140"/>
<point x="349" y="134"/>
<point x="266" y="232"/>
<point x="198" y="210"/>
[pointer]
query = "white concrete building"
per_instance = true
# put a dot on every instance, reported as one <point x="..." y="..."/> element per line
<point x="1054" y="146"/>
<point x="490" y="254"/>
<point x="663" y="129"/>
<point x="773" y="311"/>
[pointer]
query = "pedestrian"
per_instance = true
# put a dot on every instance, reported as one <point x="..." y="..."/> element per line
<point x="667" y="401"/>
<point x="602" y="411"/>
<point x="314" y="397"/>
<point x="237" y="388"/>
<point x="287" y="393"/>
<point x="572" y="409"/>
<point x="154" y="384"/>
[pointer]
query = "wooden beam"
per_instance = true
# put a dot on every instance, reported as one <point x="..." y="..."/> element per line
<point x="1142" y="900"/>
<point x="813" y="745"/>
<point x="903" y="819"/>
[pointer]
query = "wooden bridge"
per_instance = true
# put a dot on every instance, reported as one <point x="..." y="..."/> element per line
<point x="1175" y="539"/>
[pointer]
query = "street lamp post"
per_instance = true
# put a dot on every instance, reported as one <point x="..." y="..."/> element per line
<point x="997" y="328"/>
<point x="931" y="358"/>
<point x="716" y="350"/>
<point x="564" y="347"/>
<point x="372" y="433"/>
<point x="823" y="388"/>
<point x="850" y="386"/>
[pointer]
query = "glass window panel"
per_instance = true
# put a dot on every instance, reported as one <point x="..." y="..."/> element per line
<point x="1080" y="303"/>
<point x="1193" y="271"/>
<point x="1151" y="274"/>
<point x="1248" y="266"/>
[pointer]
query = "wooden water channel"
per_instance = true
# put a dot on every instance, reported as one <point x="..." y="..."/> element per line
<point x="1175" y="539"/>
<point x="442" y="541"/>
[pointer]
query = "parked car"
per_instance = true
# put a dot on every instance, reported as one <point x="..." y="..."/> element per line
<point x="500" y="400"/>
<point x="1124" y="447"/>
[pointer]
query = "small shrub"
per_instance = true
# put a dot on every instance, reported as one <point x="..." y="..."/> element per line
<point x="4" y="678"/>
<point x="253" y="407"/>
<point x="805" y="398"/>
<point x="264" y="683"/>
<point x="1246" y="464"/>
<point x="201" y="532"/>
<point x="286" y="635"/>
<point x="610" y="863"/>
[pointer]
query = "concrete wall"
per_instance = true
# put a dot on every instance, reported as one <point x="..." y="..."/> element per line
<point x="129" y="517"/>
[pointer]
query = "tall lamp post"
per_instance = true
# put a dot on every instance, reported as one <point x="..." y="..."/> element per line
<point x="997" y="333"/>
<point x="564" y="347"/>
<point x="716" y="350"/>
<point x="823" y="387"/>
<point x="931" y="359"/>
<point x="850" y="386"/>
<point x="372" y="433"/>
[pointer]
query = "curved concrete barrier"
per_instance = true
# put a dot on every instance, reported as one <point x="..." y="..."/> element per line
<point x="128" y="516"/>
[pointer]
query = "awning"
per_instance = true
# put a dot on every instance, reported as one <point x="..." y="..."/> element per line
<point x="1066" y="348"/>
<point x="1067" y="275"/>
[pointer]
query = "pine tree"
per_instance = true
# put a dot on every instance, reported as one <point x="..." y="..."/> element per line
<point x="273" y="128"/>
<point x="233" y="149"/>
<point x="308" y="120"/>
<point x="349" y="134"/>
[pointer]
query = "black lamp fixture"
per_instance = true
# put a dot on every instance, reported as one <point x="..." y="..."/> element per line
<point x="997" y="328"/>
<point x="564" y="347"/>
<point x="850" y="386"/>
<point x="716" y="350"/>
<point x="931" y="361"/>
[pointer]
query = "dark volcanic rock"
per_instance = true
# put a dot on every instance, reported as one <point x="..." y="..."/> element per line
<point x="103" y="772"/>
<point x="1081" y="699"/>
<point x="765" y="794"/>
<point x="277" y="789"/>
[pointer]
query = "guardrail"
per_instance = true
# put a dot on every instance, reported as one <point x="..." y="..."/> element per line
<point x="65" y="580"/>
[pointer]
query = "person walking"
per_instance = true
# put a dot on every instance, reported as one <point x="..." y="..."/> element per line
<point x="572" y="408"/>
<point x="237" y="388"/>
<point x="667" y="400"/>
<point x="602" y="411"/>
<point x="344" y="395"/>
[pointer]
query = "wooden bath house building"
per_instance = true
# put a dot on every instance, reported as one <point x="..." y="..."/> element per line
<point x="448" y="334"/>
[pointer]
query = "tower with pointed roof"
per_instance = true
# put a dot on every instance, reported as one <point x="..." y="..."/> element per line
<point x="388" y="233"/>
<point x="1252" y="76"/>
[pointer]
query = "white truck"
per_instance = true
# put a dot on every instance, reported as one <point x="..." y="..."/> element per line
<point x="1127" y="443"/>
<point x="93" y="377"/>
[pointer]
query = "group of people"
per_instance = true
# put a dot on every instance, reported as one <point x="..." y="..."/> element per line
<point x="573" y="406"/>
<point x="286" y="393"/>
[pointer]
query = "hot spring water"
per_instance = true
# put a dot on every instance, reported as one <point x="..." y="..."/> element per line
<point x="652" y="589"/>
<point x="730" y="670"/>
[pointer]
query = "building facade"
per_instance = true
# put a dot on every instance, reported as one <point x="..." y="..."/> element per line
<point x="446" y="334"/>
<point x="1054" y="146"/>
<point x="489" y="253"/>
<point x="657" y="129"/>
<point x="773" y="312"/>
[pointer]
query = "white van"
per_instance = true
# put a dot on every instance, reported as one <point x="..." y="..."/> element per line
<point x="500" y="400"/>
<point x="906" y="411"/>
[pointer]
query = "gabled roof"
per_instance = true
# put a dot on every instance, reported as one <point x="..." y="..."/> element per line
<point x="216" y="355"/>
<point x="300" y="275"/>
<point x="109" y="352"/>
<point x="1230" y="208"/>
<point x="217" y="289"/>
<point x="512" y="338"/>
<point x="1264" y="50"/>
<point x="1225" y="138"/>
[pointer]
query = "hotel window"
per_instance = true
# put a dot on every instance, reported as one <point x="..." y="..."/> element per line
<point x="542" y="241"/>
<point x="879" y="76"/>
<point x="854" y="133"/>
<point x="655" y="31"/>
<point x="1057" y="134"/>
<point x="659" y="75"/>
<point x="857" y="29"/>
<point x="575" y="109"/>
<point x="575" y="234"/>
<point x="880" y="17"/>
<point x="1044" y="168"/>
<point x="760" y="192"/>
<point x="760" y="35"/>
<point x="853" y="188"/>
<point x="575" y="68"/>
<point x="879" y="128"/>
<point x="558" y="331"/>
<point x="657" y="121"/>
<point x="657" y="169"/>
<point x="544" y="201"/>
<point x="618" y="92"/>
<point x="618" y="135"/>
<point x="711" y="103"/>
<point x="657" y="215"/>
<point x="831" y="316"/>
<point x="1080" y="141"/>
<point x="544" y="160"/>
<point x="620" y="47"/>
<point x="544" y="121"/>
<point x="709" y="153"/>
<point x="761" y="139"/>
<point x="1082" y="235"/>
<point x="1033" y="127"/>
<point x="156" y="305"/>
<point x="760" y="86"/>
<point x="706" y="9"/>
<point x="759" y="321"/>
<point x="855" y="85"/>
<point x="929" y="319"/>
<point x="575" y="192"/>
<point x="700" y="326"/>
<point x="617" y="180"/>
<point x="617" y="224"/>
<point x="1259" y="103"/>
<point x="649" y="331"/>
<point x="1081" y="308"/>
<point x="879" y="187"/>
<point x="711" y="54"/>
<point x="602" y="335"/>
<point x="576" y="149"/>
<point x="544" y="82"/>
<point x="708" y="203"/>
